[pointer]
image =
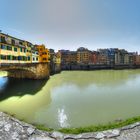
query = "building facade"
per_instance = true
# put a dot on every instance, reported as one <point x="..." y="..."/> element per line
<point x="44" y="53"/>
<point x="83" y="55"/>
<point x="121" y="57"/>
<point x="94" y="58"/>
<point x="12" y="50"/>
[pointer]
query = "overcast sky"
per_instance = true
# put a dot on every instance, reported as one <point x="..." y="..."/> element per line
<point x="69" y="24"/>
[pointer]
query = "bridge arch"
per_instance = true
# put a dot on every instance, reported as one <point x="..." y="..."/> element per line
<point x="29" y="71"/>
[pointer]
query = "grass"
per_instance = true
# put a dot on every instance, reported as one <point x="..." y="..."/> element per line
<point x="42" y="127"/>
<point x="93" y="128"/>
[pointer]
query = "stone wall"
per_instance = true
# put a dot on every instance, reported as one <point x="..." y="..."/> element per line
<point x="13" y="129"/>
<point x="96" y="67"/>
<point x="55" y="68"/>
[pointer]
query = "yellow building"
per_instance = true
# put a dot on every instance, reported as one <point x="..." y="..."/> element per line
<point x="44" y="54"/>
<point x="28" y="52"/>
<point x="12" y="50"/>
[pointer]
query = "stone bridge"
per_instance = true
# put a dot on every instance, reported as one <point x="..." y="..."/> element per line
<point x="28" y="70"/>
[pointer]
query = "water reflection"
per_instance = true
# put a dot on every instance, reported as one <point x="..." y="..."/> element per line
<point x="3" y="82"/>
<point x="98" y="78"/>
<point x="10" y="87"/>
<point x="24" y="98"/>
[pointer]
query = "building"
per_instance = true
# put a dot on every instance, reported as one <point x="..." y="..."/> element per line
<point x="132" y="57"/>
<point x="121" y="57"/>
<point x="117" y="57"/>
<point x="44" y="54"/>
<point x="64" y="56"/>
<point x="102" y="59"/>
<point x="68" y="57"/>
<point x="83" y="55"/>
<point x="12" y="50"/>
<point x="35" y="55"/>
<point x="111" y="56"/>
<point x="136" y="59"/>
<point x="94" y="58"/>
<point x="29" y="47"/>
<point x="72" y="57"/>
<point x="55" y="61"/>
<point x="103" y="56"/>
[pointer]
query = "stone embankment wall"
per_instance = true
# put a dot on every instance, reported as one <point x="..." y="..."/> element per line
<point x="55" y="68"/>
<point x="13" y="129"/>
<point x="96" y="67"/>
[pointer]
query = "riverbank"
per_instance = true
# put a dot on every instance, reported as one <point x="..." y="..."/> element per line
<point x="13" y="129"/>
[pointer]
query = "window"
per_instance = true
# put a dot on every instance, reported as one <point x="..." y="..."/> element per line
<point x="19" y="58"/>
<point x="15" y="58"/>
<point x="3" y="57"/>
<point x="3" y="47"/>
<point x="20" y="49"/>
<point x="13" y="42"/>
<point x="44" y="59"/>
<point x="24" y="58"/>
<point x="15" y="49"/>
<point x="3" y="39"/>
<point x="8" y="57"/>
<point x="21" y="43"/>
<point x="9" y="48"/>
<point x="29" y="58"/>
<point x="24" y="50"/>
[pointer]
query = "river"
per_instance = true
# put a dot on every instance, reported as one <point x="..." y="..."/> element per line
<point x="73" y="98"/>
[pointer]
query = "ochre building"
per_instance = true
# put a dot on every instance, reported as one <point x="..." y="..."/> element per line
<point x="44" y="53"/>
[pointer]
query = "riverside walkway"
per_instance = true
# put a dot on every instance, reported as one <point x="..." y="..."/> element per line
<point x="13" y="129"/>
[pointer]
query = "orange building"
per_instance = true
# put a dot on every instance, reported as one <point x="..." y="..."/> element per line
<point x="44" y="54"/>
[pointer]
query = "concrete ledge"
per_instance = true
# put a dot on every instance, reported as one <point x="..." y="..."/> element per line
<point x="13" y="129"/>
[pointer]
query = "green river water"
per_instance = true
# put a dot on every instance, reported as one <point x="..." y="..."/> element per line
<point x="73" y="98"/>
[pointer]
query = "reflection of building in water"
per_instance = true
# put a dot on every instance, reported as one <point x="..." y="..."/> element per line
<point x="99" y="78"/>
<point x="26" y="106"/>
<point x="62" y="118"/>
<point x="17" y="87"/>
